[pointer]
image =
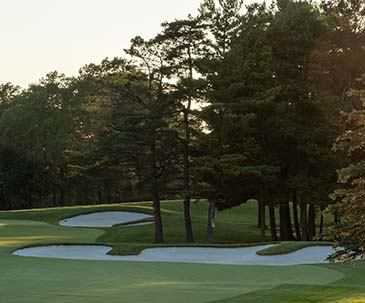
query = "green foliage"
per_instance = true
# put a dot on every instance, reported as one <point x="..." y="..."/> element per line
<point x="8" y="92"/>
<point x="43" y="126"/>
<point x="350" y="199"/>
<point x="231" y="167"/>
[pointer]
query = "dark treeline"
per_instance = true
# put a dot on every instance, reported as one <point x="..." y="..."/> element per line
<point x="229" y="105"/>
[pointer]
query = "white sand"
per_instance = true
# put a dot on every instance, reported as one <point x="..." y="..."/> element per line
<point x="237" y="256"/>
<point x="105" y="219"/>
<point x="205" y="255"/>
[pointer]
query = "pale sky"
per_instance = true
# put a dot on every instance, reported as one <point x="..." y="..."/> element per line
<point x="39" y="36"/>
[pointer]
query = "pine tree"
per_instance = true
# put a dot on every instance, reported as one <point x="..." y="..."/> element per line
<point x="231" y="167"/>
<point x="184" y="39"/>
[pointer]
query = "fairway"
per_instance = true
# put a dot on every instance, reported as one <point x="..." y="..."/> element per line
<point x="26" y="279"/>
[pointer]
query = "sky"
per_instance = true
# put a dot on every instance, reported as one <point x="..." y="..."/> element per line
<point x="39" y="36"/>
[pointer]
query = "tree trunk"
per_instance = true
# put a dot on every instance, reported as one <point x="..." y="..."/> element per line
<point x="312" y="222"/>
<point x="156" y="197"/>
<point x="10" y="206"/>
<point x="295" y="217"/>
<point x="157" y="218"/>
<point x="62" y="196"/>
<point x="262" y="220"/>
<point x="119" y="196"/>
<point x="109" y="196"/>
<point x="303" y="220"/>
<point x="100" y="195"/>
<point x="54" y="198"/>
<point x="62" y="187"/>
<point x="286" y="232"/>
<point x="187" y="218"/>
<point x="322" y="222"/>
<point x="78" y="197"/>
<point x="186" y="145"/>
<point x="211" y="223"/>
<point x="258" y="214"/>
<point x="274" y="235"/>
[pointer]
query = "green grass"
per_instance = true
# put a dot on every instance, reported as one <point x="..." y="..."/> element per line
<point x="46" y="280"/>
<point x="135" y="248"/>
<point x="54" y="215"/>
<point x="289" y="247"/>
<point x="35" y="280"/>
<point x="349" y="289"/>
<point x="233" y="226"/>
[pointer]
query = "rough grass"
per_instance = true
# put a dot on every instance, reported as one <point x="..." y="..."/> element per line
<point x="136" y="248"/>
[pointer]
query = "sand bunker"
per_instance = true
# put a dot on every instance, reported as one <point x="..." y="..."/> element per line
<point x="105" y="219"/>
<point x="237" y="256"/>
<point x="205" y="255"/>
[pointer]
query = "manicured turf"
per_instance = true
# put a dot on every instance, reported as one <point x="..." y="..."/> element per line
<point x="34" y="280"/>
<point x="349" y="289"/>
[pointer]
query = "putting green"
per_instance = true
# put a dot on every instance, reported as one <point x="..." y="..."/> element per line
<point x="34" y="280"/>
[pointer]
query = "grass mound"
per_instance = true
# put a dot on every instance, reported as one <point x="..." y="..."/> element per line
<point x="289" y="247"/>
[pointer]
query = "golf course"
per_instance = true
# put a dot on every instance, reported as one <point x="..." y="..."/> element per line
<point x="30" y="279"/>
<point x="195" y="151"/>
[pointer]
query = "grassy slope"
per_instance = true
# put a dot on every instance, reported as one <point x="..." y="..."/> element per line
<point x="54" y="215"/>
<point x="38" y="280"/>
<point x="288" y="247"/>
<point x="350" y="289"/>
<point x="233" y="226"/>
